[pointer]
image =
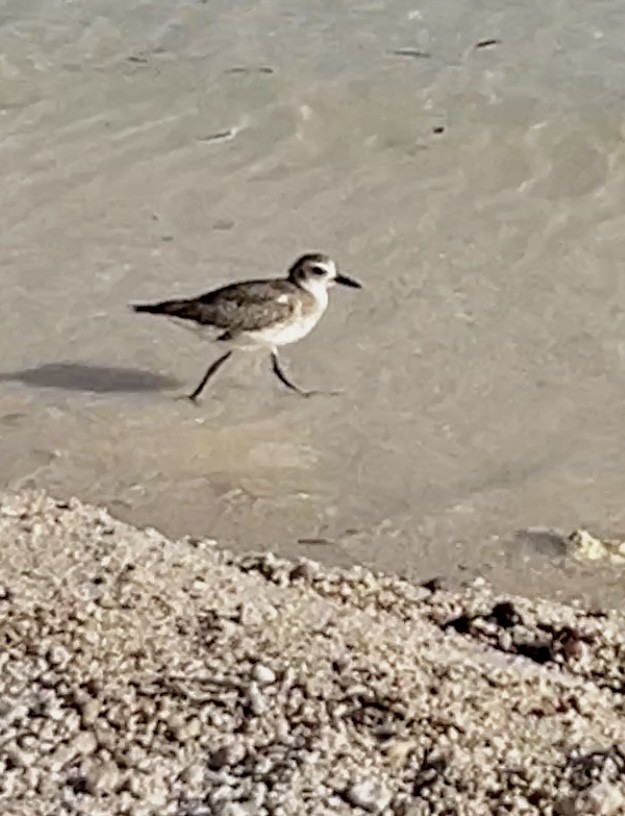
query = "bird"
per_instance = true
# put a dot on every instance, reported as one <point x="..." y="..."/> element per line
<point x="259" y="314"/>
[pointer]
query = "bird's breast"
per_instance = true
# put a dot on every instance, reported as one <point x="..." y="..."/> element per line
<point x="304" y="318"/>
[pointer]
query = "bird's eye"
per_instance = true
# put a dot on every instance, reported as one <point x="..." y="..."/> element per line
<point x="318" y="270"/>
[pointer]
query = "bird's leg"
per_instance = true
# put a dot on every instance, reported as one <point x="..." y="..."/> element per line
<point x="277" y="370"/>
<point x="212" y="369"/>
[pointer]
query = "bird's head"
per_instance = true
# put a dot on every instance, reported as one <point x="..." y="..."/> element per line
<point x="315" y="272"/>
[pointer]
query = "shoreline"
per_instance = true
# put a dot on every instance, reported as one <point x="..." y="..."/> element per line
<point x="148" y="676"/>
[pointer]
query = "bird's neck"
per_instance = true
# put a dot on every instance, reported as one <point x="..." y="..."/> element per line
<point x="317" y="289"/>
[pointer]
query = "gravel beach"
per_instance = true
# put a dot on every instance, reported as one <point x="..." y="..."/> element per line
<point x="151" y="677"/>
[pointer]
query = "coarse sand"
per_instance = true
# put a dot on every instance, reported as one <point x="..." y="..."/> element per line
<point x="146" y="676"/>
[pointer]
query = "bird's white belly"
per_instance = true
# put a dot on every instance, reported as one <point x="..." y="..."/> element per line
<point x="281" y="334"/>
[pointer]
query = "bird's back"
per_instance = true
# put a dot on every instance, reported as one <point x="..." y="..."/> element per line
<point x="236" y="307"/>
<point x="249" y="305"/>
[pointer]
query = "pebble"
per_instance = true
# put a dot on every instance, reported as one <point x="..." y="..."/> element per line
<point x="258" y="703"/>
<point x="18" y="758"/>
<point x="157" y="794"/>
<point x="136" y="786"/>
<point x="262" y="766"/>
<point x="175" y="722"/>
<point x="84" y="743"/>
<point x="236" y="809"/>
<point x="605" y="799"/>
<point x="304" y="570"/>
<point x="193" y="775"/>
<point x="228" y="755"/>
<point x="58" y="656"/>
<point x="13" y="713"/>
<point x="219" y="796"/>
<point x="47" y="785"/>
<point x="259" y="794"/>
<point x="369" y="795"/>
<point x="399" y="750"/>
<point x="263" y="675"/>
<point x="192" y="729"/>
<point x="90" y="711"/>
<point x="103" y="778"/>
<point x="505" y="641"/>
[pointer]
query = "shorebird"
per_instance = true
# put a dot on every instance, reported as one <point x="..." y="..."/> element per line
<point x="255" y="314"/>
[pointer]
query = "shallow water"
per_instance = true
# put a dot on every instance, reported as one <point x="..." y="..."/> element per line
<point x="150" y="150"/>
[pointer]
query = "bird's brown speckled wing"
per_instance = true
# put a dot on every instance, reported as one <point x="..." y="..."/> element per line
<point x="250" y="306"/>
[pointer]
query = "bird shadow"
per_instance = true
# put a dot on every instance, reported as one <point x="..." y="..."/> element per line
<point x="96" y="379"/>
<point x="547" y="541"/>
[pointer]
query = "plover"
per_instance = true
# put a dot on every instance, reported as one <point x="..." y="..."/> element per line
<point x="257" y="314"/>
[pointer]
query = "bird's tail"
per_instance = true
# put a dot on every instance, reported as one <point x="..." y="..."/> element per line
<point x="184" y="309"/>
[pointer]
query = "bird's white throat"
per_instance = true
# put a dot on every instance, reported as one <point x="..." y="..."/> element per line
<point x="318" y="288"/>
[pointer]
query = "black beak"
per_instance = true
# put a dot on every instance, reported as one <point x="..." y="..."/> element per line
<point x="345" y="281"/>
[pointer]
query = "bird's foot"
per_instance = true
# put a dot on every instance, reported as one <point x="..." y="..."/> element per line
<point x="187" y="398"/>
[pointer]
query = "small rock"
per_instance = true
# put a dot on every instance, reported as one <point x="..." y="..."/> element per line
<point x="175" y="724"/>
<point x="18" y="758"/>
<point x="55" y="713"/>
<point x="63" y="755"/>
<point x="249" y="615"/>
<point x="58" y="655"/>
<point x="220" y="797"/>
<point x="31" y="778"/>
<point x="262" y="766"/>
<point x="369" y="795"/>
<point x="107" y="738"/>
<point x="90" y="710"/>
<point x="105" y="601"/>
<point x="47" y="786"/>
<point x="263" y="675"/>
<point x="228" y="755"/>
<point x="605" y="799"/>
<point x="505" y="641"/>
<point x="84" y="743"/>
<point x="283" y="730"/>
<point x="304" y="570"/>
<point x="505" y="615"/>
<point x="12" y="713"/>
<point x="433" y="585"/>
<point x="136" y="785"/>
<point x="193" y="775"/>
<point x="104" y="778"/>
<point x="258" y="704"/>
<point x="399" y="750"/>
<point x="258" y="795"/>
<point x="191" y="729"/>
<point x="42" y="702"/>
<point x="157" y="796"/>
<point x="235" y="809"/>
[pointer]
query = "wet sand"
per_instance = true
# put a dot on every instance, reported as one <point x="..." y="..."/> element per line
<point x="148" y="677"/>
<point x="477" y="192"/>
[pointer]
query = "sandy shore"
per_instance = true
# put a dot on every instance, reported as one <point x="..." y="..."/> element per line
<point x="141" y="676"/>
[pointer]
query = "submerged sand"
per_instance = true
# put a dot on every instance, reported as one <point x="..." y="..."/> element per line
<point x="141" y="676"/>
<point x="464" y="159"/>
